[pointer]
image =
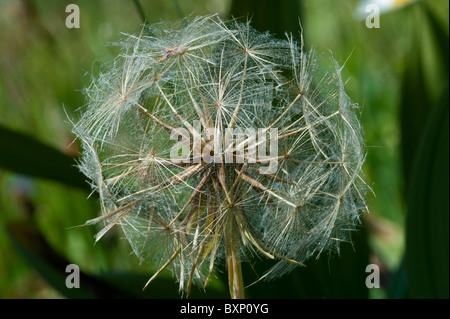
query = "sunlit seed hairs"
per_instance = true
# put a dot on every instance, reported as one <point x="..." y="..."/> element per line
<point x="190" y="216"/>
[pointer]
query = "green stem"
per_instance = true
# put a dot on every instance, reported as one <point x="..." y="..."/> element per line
<point x="140" y="11"/>
<point x="232" y="255"/>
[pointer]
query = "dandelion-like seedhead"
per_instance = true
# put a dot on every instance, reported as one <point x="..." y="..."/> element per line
<point x="189" y="215"/>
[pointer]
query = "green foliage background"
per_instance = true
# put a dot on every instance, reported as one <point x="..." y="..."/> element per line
<point x="397" y="73"/>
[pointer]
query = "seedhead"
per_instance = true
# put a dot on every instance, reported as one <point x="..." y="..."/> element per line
<point x="208" y="142"/>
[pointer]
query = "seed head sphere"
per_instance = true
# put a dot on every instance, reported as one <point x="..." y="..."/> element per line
<point x="163" y="95"/>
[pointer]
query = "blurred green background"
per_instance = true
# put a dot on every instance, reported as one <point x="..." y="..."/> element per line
<point x="397" y="73"/>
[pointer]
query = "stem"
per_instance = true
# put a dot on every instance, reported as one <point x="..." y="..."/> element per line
<point x="232" y="255"/>
<point x="178" y="9"/>
<point x="140" y="11"/>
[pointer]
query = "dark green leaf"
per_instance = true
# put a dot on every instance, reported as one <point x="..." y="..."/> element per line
<point x="427" y="232"/>
<point x="426" y="73"/>
<point x="25" y="155"/>
<point x="37" y="252"/>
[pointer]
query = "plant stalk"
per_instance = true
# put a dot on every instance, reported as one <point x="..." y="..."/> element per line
<point x="232" y="255"/>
